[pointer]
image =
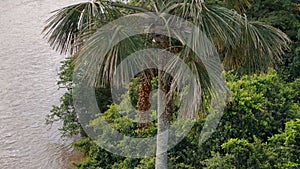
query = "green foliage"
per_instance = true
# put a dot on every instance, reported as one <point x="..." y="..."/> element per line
<point x="65" y="112"/>
<point x="250" y="134"/>
<point x="240" y="154"/>
<point x="286" y="145"/>
<point x="260" y="105"/>
<point x="90" y="149"/>
<point x="280" y="152"/>
<point x="259" y="108"/>
<point x="147" y="163"/>
<point x="133" y="91"/>
<point x="95" y="156"/>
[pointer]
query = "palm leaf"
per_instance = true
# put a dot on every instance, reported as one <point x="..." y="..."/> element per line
<point x="69" y="26"/>
<point x="221" y="25"/>
<point x="100" y="60"/>
<point x="239" y="5"/>
<point x="252" y="45"/>
<point x="259" y="47"/>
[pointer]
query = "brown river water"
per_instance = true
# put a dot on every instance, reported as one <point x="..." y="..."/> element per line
<point x="28" y="75"/>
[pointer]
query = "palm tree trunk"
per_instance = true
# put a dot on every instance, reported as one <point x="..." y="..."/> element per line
<point x="163" y="113"/>
<point x="161" y="161"/>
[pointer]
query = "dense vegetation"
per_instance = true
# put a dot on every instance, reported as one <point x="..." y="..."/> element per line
<point x="260" y="127"/>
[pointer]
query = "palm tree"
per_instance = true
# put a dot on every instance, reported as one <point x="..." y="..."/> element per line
<point x="240" y="43"/>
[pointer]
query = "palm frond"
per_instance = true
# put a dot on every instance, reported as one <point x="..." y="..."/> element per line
<point x="100" y="56"/>
<point x="252" y="45"/>
<point x="259" y="47"/>
<point x="221" y="25"/>
<point x="239" y="5"/>
<point x="69" y="26"/>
